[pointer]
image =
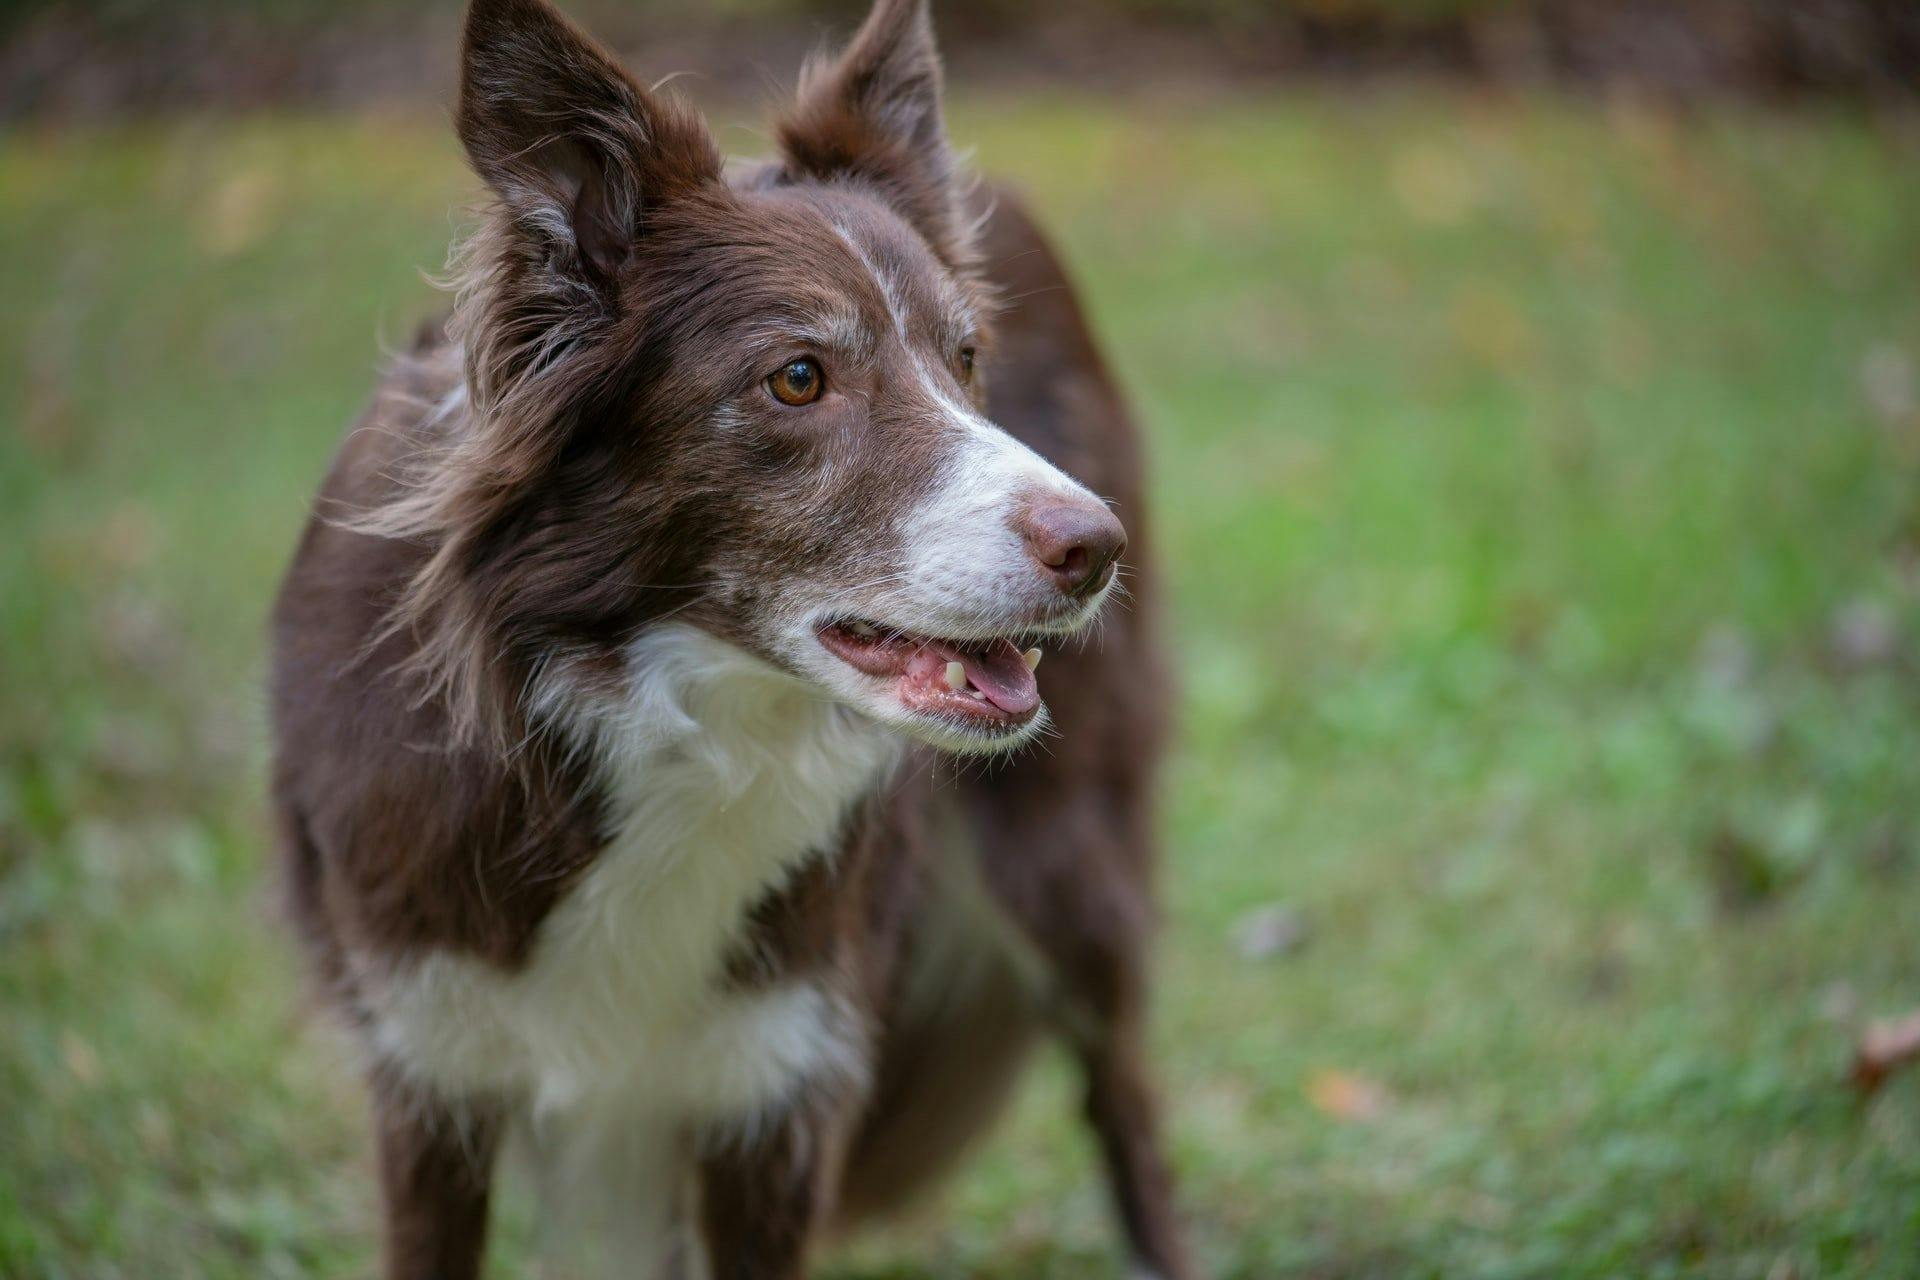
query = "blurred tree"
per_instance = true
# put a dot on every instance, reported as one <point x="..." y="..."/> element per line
<point x="104" y="56"/>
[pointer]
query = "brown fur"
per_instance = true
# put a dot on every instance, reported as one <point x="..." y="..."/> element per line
<point x="467" y="547"/>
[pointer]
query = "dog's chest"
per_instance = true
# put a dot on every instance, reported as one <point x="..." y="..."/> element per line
<point x="721" y="781"/>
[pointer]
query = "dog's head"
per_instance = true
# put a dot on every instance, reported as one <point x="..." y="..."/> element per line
<point x="754" y="404"/>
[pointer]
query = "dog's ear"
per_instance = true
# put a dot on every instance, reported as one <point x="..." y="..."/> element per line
<point x="873" y="113"/>
<point x="576" y="151"/>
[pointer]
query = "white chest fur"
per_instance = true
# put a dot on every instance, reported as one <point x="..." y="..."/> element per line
<point x="723" y="775"/>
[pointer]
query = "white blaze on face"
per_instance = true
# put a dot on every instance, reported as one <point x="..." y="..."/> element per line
<point x="962" y="559"/>
<point x="964" y="568"/>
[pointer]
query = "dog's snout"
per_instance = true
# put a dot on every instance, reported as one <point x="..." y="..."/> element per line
<point x="1076" y="544"/>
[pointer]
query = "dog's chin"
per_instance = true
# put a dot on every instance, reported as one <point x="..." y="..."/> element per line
<point x="958" y="736"/>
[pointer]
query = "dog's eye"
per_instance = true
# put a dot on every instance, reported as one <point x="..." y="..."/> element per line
<point x="797" y="383"/>
<point x="966" y="366"/>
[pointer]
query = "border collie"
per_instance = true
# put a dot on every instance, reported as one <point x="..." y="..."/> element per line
<point x="610" y="677"/>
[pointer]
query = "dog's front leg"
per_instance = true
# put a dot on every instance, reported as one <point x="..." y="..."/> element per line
<point x="436" y="1171"/>
<point x="764" y="1194"/>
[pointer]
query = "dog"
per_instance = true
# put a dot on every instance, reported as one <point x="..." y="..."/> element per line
<point x="613" y="677"/>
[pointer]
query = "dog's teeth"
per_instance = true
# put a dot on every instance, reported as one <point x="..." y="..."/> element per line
<point x="956" y="676"/>
<point x="861" y="629"/>
<point x="1033" y="658"/>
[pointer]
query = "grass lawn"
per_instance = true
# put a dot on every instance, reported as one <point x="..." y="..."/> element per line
<point x="1542" y="488"/>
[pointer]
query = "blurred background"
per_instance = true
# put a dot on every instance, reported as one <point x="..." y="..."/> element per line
<point x="1534" y="400"/>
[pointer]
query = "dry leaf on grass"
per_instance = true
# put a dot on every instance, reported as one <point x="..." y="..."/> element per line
<point x="1887" y="1046"/>
<point x="1344" y="1096"/>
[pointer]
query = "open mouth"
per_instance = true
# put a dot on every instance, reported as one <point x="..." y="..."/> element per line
<point x="981" y="684"/>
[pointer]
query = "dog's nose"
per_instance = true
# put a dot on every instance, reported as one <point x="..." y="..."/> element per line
<point x="1077" y="544"/>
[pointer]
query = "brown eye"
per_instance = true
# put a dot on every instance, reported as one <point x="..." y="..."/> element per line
<point x="797" y="383"/>
<point x="966" y="366"/>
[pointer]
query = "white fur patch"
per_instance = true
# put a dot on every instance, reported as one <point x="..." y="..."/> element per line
<point x="723" y="775"/>
<point x="615" y="1193"/>
<point x="959" y="548"/>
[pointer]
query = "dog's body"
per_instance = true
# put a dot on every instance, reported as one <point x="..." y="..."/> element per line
<point x="600" y="670"/>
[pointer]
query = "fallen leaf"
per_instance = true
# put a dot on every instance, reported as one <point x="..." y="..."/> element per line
<point x="1344" y="1096"/>
<point x="1888" y="1045"/>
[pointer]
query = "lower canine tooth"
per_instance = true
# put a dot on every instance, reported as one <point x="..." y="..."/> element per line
<point x="861" y="629"/>
<point x="1033" y="658"/>
<point x="956" y="676"/>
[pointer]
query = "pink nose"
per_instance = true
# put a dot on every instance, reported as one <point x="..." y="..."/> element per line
<point x="1077" y="544"/>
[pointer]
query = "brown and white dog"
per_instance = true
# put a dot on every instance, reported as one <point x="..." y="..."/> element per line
<point x="610" y="675"/>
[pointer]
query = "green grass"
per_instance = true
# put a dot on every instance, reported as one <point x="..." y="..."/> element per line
<point x="1517" y="464"/>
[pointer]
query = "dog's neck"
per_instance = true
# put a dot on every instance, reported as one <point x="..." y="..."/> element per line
<point x="723" y="718"/>
<point x="722" y="777"/>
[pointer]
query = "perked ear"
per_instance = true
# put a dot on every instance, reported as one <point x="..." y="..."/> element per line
<point x="873" y="114"/>
<point x="576" y="150"/>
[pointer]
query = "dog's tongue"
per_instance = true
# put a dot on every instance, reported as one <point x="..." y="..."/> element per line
<point x="997" y="670"/>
